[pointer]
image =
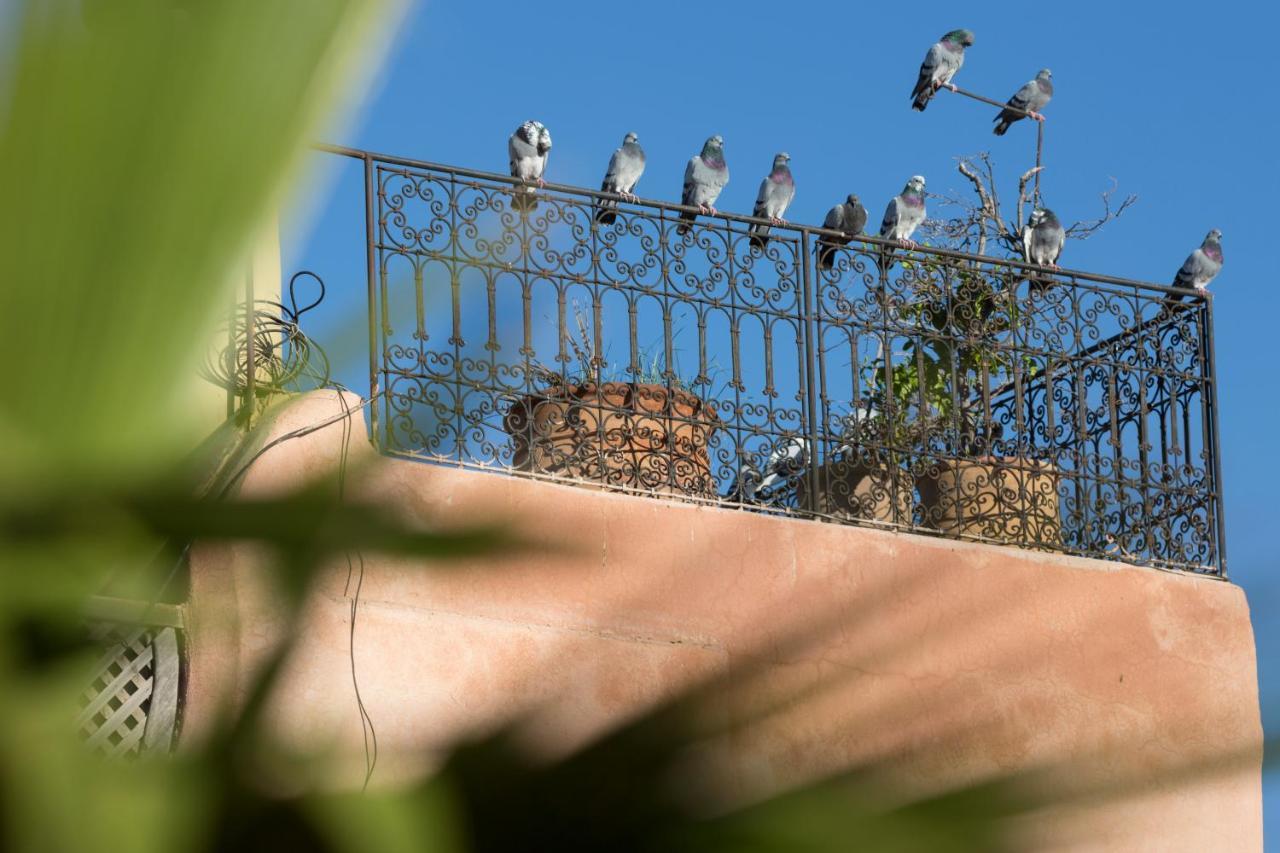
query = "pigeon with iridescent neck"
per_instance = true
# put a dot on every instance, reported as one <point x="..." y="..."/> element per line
<point x="1042" y="240"/>
<point x="1201" y="266"/>
<point x="625" y="168"/>
<point x="528" y="149"/>
<point x="901" y="218"/>
<point x="704" y="179"/>
<point x="776" y="191"/>
<point x="1027" y="101"/>
<point x="849" y="218"/>
<point x="940" y="64"/>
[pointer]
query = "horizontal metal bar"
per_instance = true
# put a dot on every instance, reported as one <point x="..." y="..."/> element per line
<point x="1001" y="104"/>
<point x="102" y="608"/>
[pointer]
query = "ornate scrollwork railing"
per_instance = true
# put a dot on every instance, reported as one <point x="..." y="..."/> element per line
<point x="928" y="390"/>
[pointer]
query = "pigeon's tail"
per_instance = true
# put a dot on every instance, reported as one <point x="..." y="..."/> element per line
<point x="885" y="261"/>
<point x="685" y="219"/>
<point x="1002" y="124"/>
<point x="523" y="200"/>
<point x="607" y="212"/>
<point x="922" y="100"/>
<point x="826" y="255"/>
<point x="1039" y="285"/>
<point x="759" y="236"/>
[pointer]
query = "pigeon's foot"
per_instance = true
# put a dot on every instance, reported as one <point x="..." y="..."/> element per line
<point x="541" y="183"/>
<point x="630" y="197"/>
<point x="1035" y="115"/>
<point x="951" y="86"/>
<point x="711" y="211"/>
<point x="909" y="244"/>
<point x="704" y="210"/>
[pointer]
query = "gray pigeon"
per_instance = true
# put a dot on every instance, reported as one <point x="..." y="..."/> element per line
<point x="776" y="192"/>
<point x="527" y="149"/>
<point x="940" y="64"/>
<point x="1027" y="101"/>
<point x="901" y="218"/>
<point x="625" y="168"/>
<point x="704" y="179"/>
<point x="849" y="218"/>
<point x="1042" y="240"/>
<point x="1201" y="266"/>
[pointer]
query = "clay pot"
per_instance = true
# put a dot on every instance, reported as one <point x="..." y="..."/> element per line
<point x="620" y="434"/>
<point x="1007" y="499"/>
<point x="853" y="490"/>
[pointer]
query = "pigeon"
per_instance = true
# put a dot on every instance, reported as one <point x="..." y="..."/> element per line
<point x="901" y="218"/>
<point x="528" y="148"/>
<point x="776" y="192"/>
<point x="704" y="179"/>
<point x="1042" y="239"/>
<point x="849" y="218"/>
<point x="744" y="487"/>
<point x="786" y="462"/>
<point x="1027" y="101"/>
<point x="1201" y="266"/>
<point x="625" y="168"/>
<point x="940" y="64"/>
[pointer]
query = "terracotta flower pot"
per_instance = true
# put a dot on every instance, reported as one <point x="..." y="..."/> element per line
<point x="1008" y="499"/>
<point x="621" y="434"/>
<point x="854" y="490"/>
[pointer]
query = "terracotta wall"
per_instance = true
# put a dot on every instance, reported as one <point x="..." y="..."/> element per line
<point x="942" y="662"/>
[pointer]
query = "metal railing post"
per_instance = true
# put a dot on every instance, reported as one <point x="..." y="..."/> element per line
<point x="370" y="268"/>
<point x="1215" y="452"/>
<point x="810" y="322"/>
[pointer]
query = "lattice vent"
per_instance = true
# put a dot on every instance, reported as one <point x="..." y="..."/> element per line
<point x="137" y="668"/>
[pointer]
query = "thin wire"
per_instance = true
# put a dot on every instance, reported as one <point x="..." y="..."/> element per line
<point x="367" y="730"/>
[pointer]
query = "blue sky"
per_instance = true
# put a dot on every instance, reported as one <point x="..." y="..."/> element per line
<point x="1177" y="107"/>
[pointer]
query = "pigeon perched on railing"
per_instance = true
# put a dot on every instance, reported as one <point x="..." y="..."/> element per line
<point x="1028" y="100"/>
<point x="704" y="179"/>
<point x="1201" y="266"/>
<point x="786" y="462"/>
<point x="901" y="219"/>
<point x="850" y="217"/>
<point x="940" y="64"/>
<point x="776" y="191"/>
<point x="625" y="168"/>
<point x="528" y="148"/>
<point x="1042" y="240"/>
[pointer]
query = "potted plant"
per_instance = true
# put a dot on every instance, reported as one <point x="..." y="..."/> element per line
<point x="863" y="479"/>
<point x="971" y="482"/>
<point x="644" y="430"/>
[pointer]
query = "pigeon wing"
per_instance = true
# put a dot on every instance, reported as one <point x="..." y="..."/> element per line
<point x="889" y="226"/>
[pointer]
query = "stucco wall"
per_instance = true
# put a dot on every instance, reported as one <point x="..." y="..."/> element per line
<point x="943" y="662"/>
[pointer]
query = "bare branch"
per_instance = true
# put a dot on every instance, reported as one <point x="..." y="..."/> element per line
<point x="1086" y="228"/>
<point x="1022" y="194"/>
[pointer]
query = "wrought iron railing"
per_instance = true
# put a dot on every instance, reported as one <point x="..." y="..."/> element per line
<point x="929" y="390"/>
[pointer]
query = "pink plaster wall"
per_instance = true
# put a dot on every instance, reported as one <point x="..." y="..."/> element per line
<point x="944" y="662"/>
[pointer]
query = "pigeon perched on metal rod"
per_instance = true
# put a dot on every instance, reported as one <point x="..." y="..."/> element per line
<point x="625" y="168"/>
<point x="850" y="218"/>
<point x="1201" y="266"/>
<point x="1027" y="101"/>
<point x="901" y="218"/>
<point x="1042" y="240"/>
<point x="776" y="191"/>
<point x="528" y="149"/>
<point x="704" y="179"/>
<point x="940" y="64"/>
